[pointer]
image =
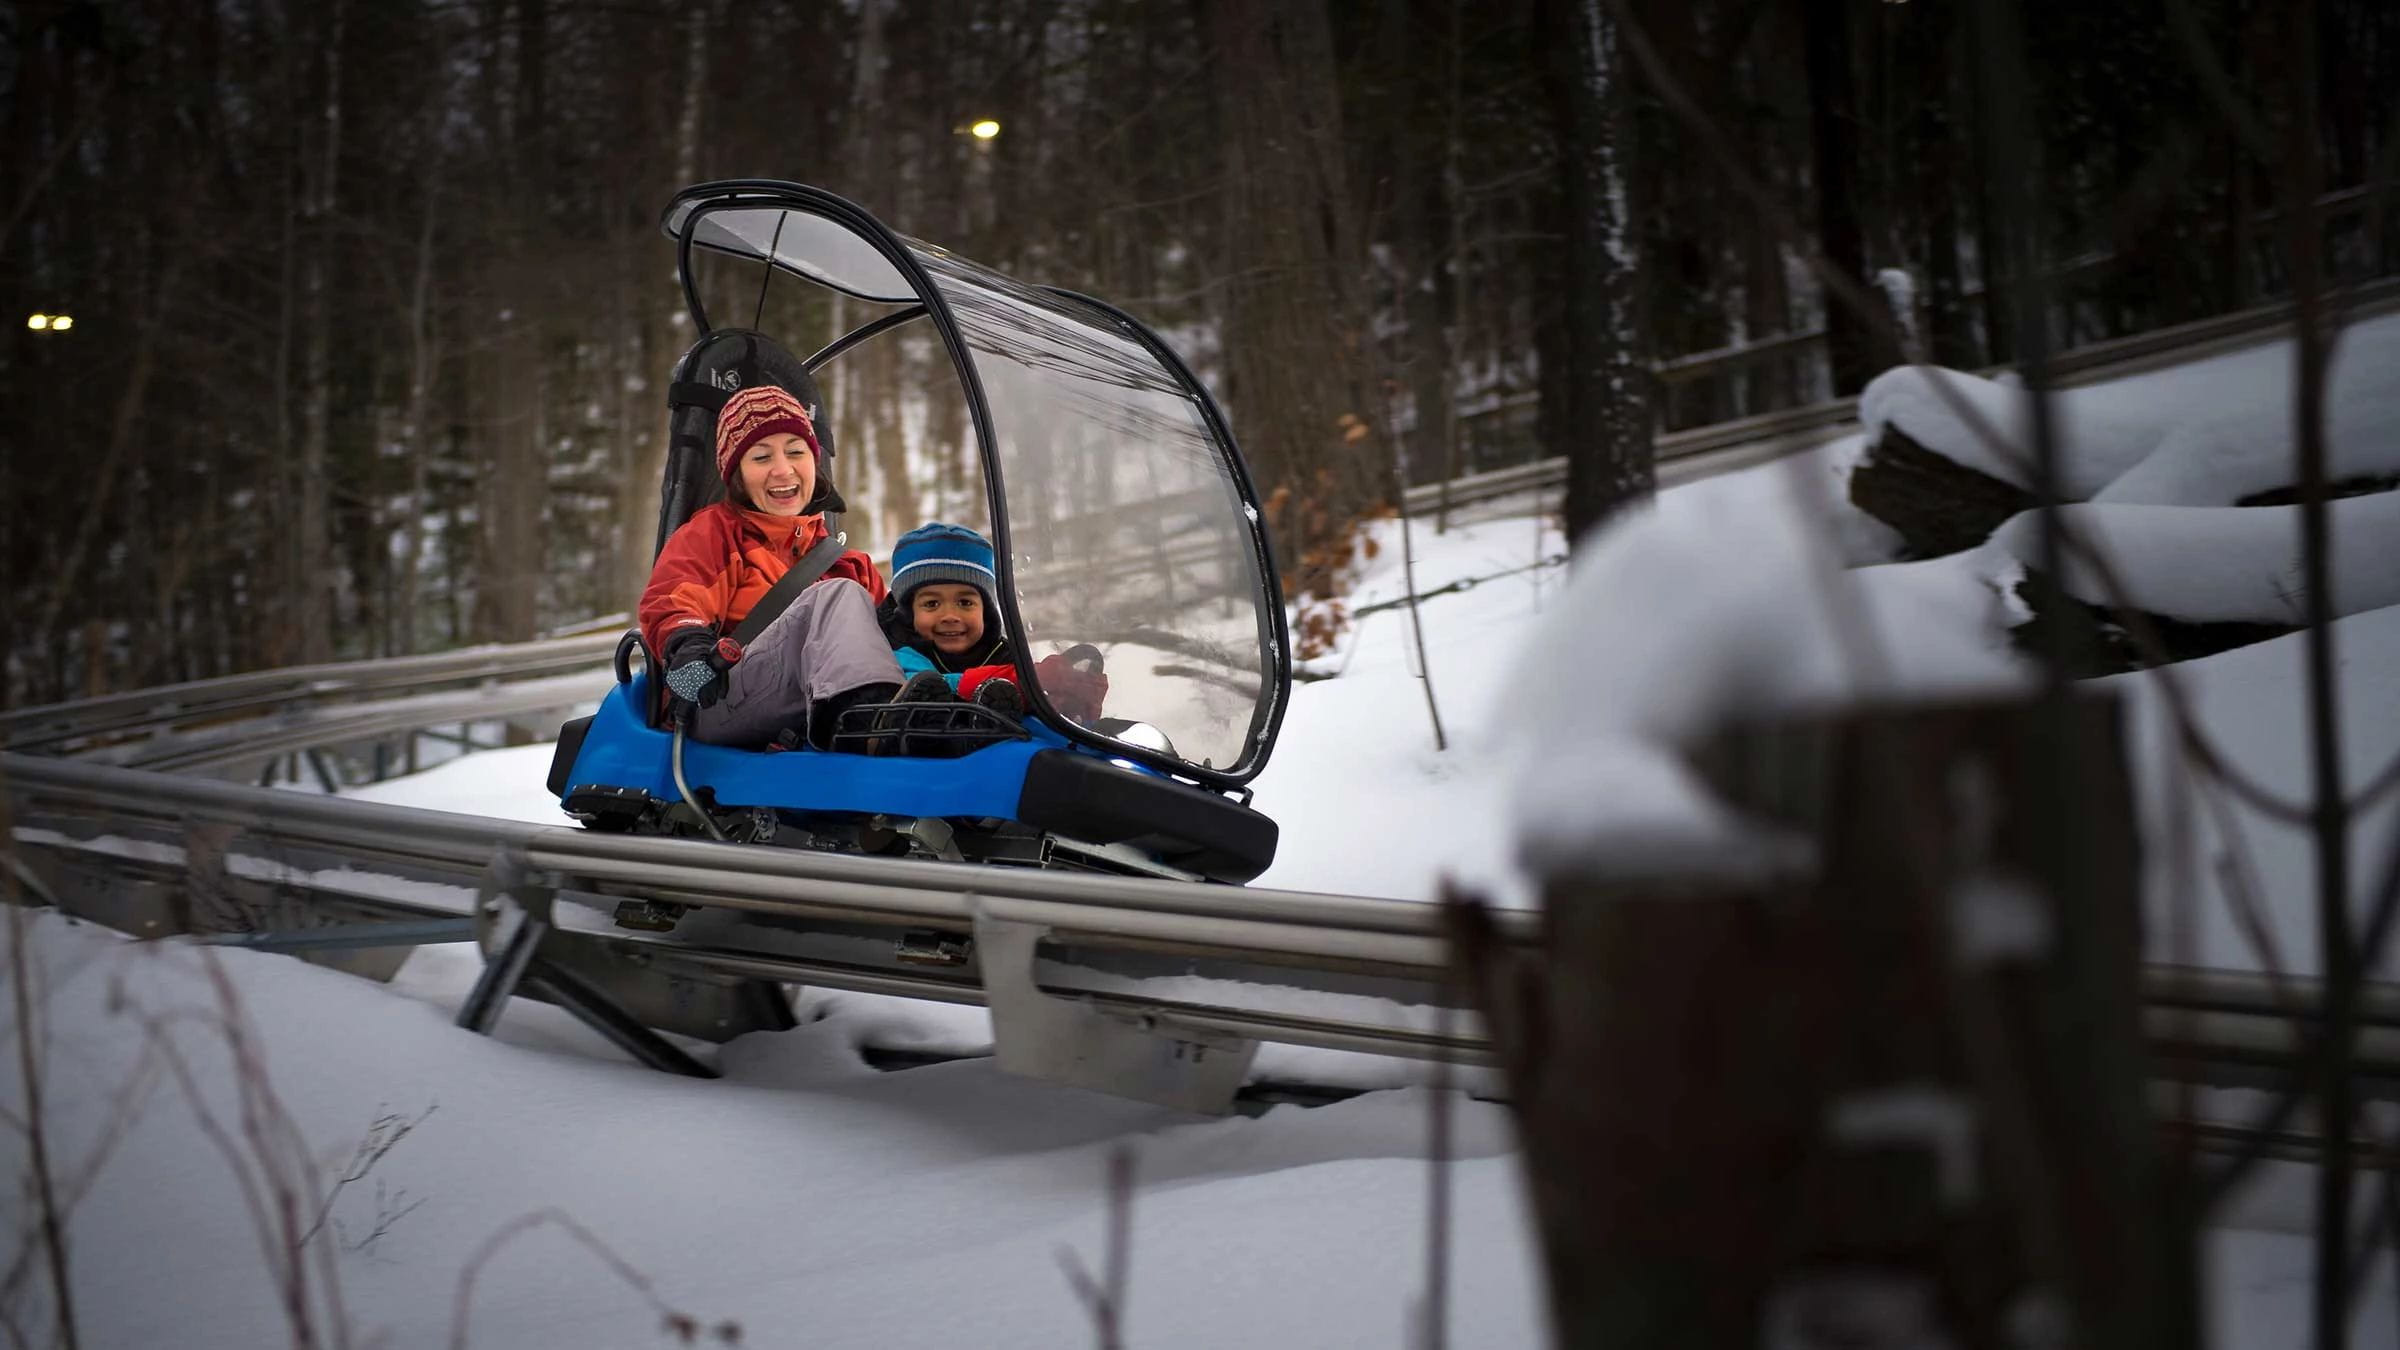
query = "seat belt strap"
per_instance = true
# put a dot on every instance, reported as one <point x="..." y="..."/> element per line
<point x="804" y="573"/>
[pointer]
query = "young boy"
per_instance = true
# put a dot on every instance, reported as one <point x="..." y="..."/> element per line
<point x="941" y="623"/>
<point x="946" y="633"/>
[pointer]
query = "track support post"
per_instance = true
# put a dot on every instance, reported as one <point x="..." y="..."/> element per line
<point x="512" y="920"/>
<point x="512" y="915"/>
<point x="1150" y="1057"/>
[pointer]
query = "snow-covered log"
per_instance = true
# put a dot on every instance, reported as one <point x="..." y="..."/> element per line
<point x="1936" y="504"/>
<point x="2203" y="564"/>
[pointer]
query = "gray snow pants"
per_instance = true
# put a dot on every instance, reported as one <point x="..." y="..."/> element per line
<point x="826" y="643"/>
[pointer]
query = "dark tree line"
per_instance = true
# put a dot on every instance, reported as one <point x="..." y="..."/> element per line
<point x="373" y="319"/>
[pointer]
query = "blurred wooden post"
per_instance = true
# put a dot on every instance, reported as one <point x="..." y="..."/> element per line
<point x="1899" y="1103"/>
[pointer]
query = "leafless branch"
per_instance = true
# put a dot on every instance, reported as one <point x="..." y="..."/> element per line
<point x="389" y="1210"/>
<point x="676" y="1322"/>
<point x="1433" y="1307"/>
<point x="384" y="1134"/>
<point x="30" y="1070"/>
<point x="1104" y="1298"/>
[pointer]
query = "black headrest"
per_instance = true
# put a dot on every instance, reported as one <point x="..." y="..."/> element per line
<point x="717" y="367"/>
<point x="730" y="360"/>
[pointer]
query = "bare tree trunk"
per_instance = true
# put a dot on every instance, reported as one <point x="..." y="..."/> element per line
<point x="423" y="366"/>
<point x="512" y="513"/>
<point x="1449" y="260"/>
<point x="132" y="394"/>
<point x="314" y="570"/>
<point x="649" y="329"/>
<point x="1853" y="351"/>
<point x="509" y="577"/>
<point x="1606" y="431"/>
<point x="1420" y="252"/>
<point x="1300" y="368"/>
<point x="279" y="643"/>
<point x="1929" y="48"/>
<point x="1767" y="298"/>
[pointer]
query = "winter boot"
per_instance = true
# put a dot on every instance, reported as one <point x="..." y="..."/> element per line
<point x="825" y="714"/>
<point x="1002" y="697"/>
<point x="917" y="730"/>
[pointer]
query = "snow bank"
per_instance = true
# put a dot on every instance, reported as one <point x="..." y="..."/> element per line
<point x="2206" y="564"/>
<point x="805" y="1197"/>
<point x="1664" y="634"/>
<point x="2251" y="703"/>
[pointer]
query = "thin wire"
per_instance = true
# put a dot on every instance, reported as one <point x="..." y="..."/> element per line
<point x="766" y="269"/>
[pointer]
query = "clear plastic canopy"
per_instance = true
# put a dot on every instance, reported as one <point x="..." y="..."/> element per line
<point x="822" y="250"/>
<point x="1129" y="527"/>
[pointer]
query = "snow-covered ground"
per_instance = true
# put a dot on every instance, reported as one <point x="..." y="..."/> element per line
<point x="558" y="1195"/>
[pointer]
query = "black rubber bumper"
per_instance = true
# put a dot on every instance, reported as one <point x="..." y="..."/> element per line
<point x="1183" y="826"/>
<point x="562" y="758"/>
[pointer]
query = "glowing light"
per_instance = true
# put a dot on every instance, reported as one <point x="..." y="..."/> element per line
<point x="985" y="129"/>
<point x="38" y="322"/>
<point x="62" y="323"/>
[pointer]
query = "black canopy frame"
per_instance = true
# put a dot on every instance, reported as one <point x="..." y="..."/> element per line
<point x="692" y="206"/>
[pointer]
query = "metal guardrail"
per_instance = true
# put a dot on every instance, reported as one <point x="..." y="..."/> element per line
<point x="253" y="740"/>
<point x="137" y="711"/>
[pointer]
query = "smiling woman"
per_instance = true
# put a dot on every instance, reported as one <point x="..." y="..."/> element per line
<point x="779" y="474"/>
<point x="793" y="677"/>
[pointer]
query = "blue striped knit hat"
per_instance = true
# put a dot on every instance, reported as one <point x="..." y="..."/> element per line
<point x="938" y="552"/>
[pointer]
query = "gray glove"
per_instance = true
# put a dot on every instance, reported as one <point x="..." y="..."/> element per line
<point x="696" y="665"/>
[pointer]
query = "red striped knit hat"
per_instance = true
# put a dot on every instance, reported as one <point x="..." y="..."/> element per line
<point x="760" y="411"/>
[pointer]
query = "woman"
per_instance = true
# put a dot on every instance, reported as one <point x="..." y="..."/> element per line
<point x="825" y="652"/>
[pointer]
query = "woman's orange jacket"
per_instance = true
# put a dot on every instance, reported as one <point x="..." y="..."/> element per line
<point x="724" y="560"/>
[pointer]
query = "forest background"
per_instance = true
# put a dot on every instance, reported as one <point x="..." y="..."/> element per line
<point x="373" y="319"/>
